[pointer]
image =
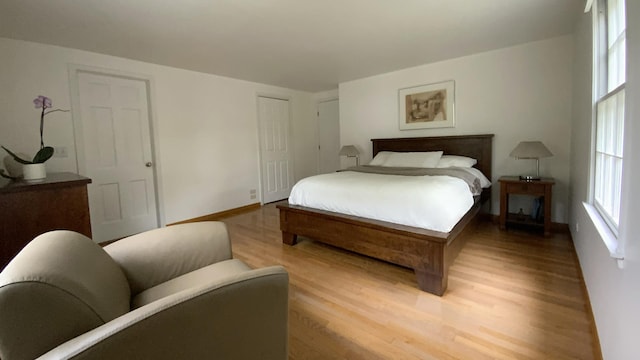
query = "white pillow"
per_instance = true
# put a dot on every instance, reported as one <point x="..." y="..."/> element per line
<point x="427" y="159"/>
<point x="456" y="161"/>
<point x="380" y="158"/>
<point x="484" y="182"/>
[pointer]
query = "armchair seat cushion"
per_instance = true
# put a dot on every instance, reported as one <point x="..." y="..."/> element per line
<point x="208" y="274"/>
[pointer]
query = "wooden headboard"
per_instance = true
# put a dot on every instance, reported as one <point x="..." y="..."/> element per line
<point x="478" y="147"/>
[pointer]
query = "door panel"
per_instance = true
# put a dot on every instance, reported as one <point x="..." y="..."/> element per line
<point x="109" y="202"/>
<point x="328" y="136"/>
<point x="117" y="147"/>
<point x="277" y="173"/>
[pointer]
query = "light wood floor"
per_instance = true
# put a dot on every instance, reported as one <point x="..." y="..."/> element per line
<point x="511" y="295"/>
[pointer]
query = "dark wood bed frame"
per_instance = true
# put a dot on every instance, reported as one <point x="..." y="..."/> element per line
<point x="428" y="253"/>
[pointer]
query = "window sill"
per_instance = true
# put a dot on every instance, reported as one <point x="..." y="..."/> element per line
<point x="607" y="236"/>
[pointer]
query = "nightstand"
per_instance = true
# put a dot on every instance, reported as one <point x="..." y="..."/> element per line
<point x="540" y="189"/>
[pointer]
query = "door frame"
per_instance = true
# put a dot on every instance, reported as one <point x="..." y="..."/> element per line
<point x="259" y="135"/>
<point x="74" y="77"/>
<point x="318" y="102"/>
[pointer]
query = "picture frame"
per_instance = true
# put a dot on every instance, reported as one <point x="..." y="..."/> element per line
<point x="427" y="106"/>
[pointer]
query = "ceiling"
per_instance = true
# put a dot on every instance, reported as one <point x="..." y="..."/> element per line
<point x="299" y="44"/>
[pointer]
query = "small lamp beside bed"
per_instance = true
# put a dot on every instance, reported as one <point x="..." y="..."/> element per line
<point x="531" y="150"/>
<point x="350" y="151"/>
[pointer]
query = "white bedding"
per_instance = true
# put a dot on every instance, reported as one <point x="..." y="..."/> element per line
<point x="429" y="202"/>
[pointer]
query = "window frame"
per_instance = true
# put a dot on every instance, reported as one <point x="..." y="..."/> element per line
<point x="601" y="94"/>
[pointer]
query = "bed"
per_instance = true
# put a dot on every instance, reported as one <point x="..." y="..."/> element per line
<point x="429" y="253"/>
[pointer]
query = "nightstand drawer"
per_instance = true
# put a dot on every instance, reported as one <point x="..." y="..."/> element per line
<point x="525" y="188"/>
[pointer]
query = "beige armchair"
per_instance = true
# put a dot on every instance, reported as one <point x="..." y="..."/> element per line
<point x="170" y="293"/>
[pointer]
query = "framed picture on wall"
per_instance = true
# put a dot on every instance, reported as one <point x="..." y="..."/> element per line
<point x="426" y="106"/>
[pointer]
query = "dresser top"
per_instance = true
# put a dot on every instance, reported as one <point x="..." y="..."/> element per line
<point x="52" y="181"/>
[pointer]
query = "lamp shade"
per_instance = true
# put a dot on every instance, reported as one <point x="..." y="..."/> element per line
<point x="530" y="150"/>
<point x="349" y="150"/>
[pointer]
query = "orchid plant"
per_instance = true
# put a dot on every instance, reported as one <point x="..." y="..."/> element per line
<point x="45" y="152"/>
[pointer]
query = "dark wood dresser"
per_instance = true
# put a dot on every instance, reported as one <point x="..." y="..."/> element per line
<point x="28" y="209"/>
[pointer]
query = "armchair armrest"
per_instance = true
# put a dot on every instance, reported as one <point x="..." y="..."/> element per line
<point x="244" y="316"/>
<point x="155" y="256"/>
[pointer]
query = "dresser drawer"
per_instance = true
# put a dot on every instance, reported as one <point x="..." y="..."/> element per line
<point x="525" y="188"/>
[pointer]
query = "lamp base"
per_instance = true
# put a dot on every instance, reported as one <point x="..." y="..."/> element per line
<point x="529" y="178"/>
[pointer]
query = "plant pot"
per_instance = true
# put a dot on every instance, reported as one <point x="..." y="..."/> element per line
<point x="13" y="167"/>
<point x="32" y="172"/>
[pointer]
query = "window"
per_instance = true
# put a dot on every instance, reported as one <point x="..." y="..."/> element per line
<point x="609" y="77"/>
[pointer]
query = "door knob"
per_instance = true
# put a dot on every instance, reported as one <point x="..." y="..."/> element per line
<point x="148" y="164"/>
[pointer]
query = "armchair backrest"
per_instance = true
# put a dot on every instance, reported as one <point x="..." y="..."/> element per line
<point x="177" y="250"/>
<point x="59" y="286"/>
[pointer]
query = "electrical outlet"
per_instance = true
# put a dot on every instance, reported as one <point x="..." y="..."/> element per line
<point x="60" y="152"/>
<point x="577" y="227"/>
<point x="252" y="194"/>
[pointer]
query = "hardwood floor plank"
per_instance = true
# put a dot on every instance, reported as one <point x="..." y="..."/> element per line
<point x="511" y="295"/>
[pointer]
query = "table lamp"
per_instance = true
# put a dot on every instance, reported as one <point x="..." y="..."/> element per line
<point x="350" y="151"/>
<point x="531" y="150"/>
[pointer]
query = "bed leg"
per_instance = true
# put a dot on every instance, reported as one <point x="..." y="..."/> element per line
<point x="289" y="238"/>
<point x="431" y="283"/>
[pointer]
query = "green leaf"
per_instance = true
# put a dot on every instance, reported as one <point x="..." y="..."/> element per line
<point x="17" y="158"/>
<point x="7" y="176"/>
<point x="43" y="155"/>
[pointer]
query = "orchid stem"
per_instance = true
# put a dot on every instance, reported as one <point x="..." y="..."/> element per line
<point x="42" y="127"/>
<point x="42" y="123"/>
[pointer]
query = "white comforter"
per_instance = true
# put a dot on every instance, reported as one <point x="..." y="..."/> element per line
<point x="429" y="202"/>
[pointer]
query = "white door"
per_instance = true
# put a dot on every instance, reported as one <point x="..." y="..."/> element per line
<point x="275" y="149"/>
<point x="328" y="136"/>
<point x="118" y="158"/>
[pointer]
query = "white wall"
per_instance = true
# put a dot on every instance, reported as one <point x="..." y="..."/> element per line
<point x="517" y="93"/>
<point x="207" y="124"/>
<point x="614" y="292"/>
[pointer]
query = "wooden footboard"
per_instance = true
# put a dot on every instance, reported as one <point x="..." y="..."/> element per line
<point x="428" y="253"/>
